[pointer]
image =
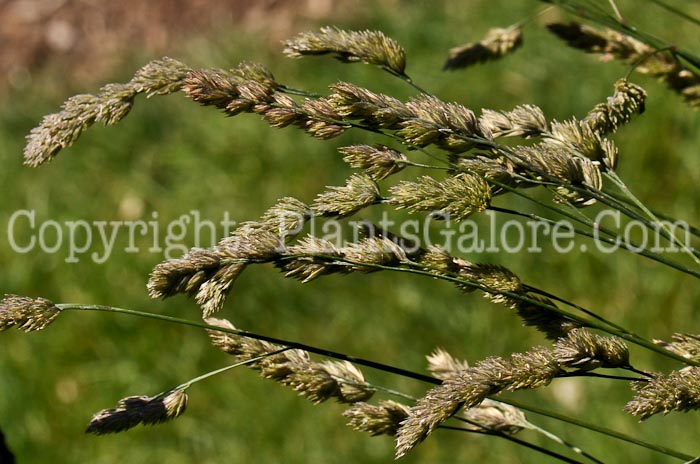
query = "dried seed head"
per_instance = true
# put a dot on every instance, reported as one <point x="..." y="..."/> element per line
<point x="212" y="87"/>
<point x="382" y="419"/>
<point x="352" y="386"/>
<point x="373" y="109"/>
<point x="497" y="44"/>
<point x="113" y="102"/>
<point x="448" y="125"/>
<point x="552" y="324"/>
<point x="646" y="59"/>
<point x="60" y="130"/>
<point x="439" y="404"/>
<point x="374" y="250"/>
<point x="311" y="259"/>
<point x="578" y="136"/>
<point x="438" y="260"/>
<point x="320" y="118"/>
<point x="208" y="275"/>
<point x="135" y="410"/>
<point x="679" y="391"/>
<point x="282" y="112"/>
<point x="317" y="382"/>
<point x="493" y="277"/>
<point x="443" y="366"/>
<point x="456" y="197"/>
<point x="522" y="121"/>
<point x="493" y="416"/>
<point x="28" y="314"/>
<point x="371" y="47"/>
<point x="627" y="100"/>
<point x="379" y="162"/>
<point x="499" y="169"/>
<point x="359" y="192"/>
<point x="686" y="345"/>
<point x="533" y="369"/>
<point x="586" y="351"/>
<point x="249" y="87"/>
<point x="285" y="218"/>
<point x="557" y="160"/>
<point x="160" y="77"/>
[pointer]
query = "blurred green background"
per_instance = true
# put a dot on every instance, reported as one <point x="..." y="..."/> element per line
<point x="171" y="157"/>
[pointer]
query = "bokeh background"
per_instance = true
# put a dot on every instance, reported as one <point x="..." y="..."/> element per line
<point x="170" y="156"/>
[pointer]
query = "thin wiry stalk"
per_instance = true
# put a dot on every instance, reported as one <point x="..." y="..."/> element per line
<point x="595" y="427"/>
<point x="191" y="382"/>
<point x="371" y="364"/>
<point x="549" y="435"/>
<point x="680" y="13"/>
<point x="585" y="322"/>
<point x="590" y="12"/>
<point x="582" y="219"/>
<point x="518" y="441"/>
<point x="625" y="190"/>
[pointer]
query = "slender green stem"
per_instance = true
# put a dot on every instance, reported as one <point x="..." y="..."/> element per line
<point x="190" y="382"/>
<point x="302" y="93"/>
<point x="514" y="440"/>
<point x="493" y="431"/>
<point x="585" y="322"/>
<point x="613" y="5"/>
<point x="600" y="376"/>
<point x="690" y="228"/>
<point x="243" y="333"/>
<point x="580" y="308"/>
<point x="371" y="364"/>
<point x="625" y="190"/>
<point x="560" y="440"/>
<point x="404" y="77"/>
<point x="597" y="428"/>
<point x="676" y="11"/>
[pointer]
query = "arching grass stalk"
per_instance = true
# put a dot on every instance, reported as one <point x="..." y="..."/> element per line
<point x="671" y="236"/>
<point x="364" y="362"/>
<point x="518" y="441"/>
<point x="597" y="428"/>
<point x="590" y="11"/>
<point x="691" y="228"/>
<point x="191" y="382"/>
<point x="605" y="327"/>
<point x="628" y="246"/>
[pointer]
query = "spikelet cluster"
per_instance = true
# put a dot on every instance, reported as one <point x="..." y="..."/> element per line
<point x="533" y="369"/>
<point x="678" y="391"/>
<point x="489" y="415"/>
<point x="423" y="120"/>
<point x="371" y="47"/>
<point x="384" y="418"/>
<point x="359" y="192"/>
<point x="208" y="275"/>
<point x="521" y="121"/>
<point x="312" y="257"/>
<point x="315" y="381"/>
<point x="28" y="314"/>
<point x="686" y="345"/>
<point x="135" y="410"/>
<point x="613" y="45"/>
<point x="498" y="43"/>
<point x="112" y="103"/>
<point x="586" y="351"/>
<point x="499" y="284"/>
<point x="456" y="197"/>
<point x="467" y="387"/>
<point x="550" y="160"/>
<point x="379" y="162"/>
<point x="251" y="88"/>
